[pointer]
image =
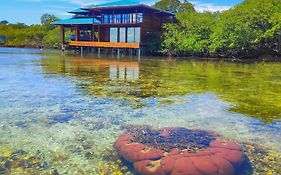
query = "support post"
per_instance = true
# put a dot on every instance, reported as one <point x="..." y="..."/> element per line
<point x="81" y="50"/>
<point x="136" y="16"/>
<point x="139" y="53"/>
<point x="93" y="33"/>
<point x="118" y="34"/>
<point x="99" y="37"/>
<point x="77" y="33"/>
<point x="118" y="52"/>
<point x="62" y="33"/>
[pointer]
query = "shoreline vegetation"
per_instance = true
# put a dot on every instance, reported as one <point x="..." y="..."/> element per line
<point x="249" y="30"/>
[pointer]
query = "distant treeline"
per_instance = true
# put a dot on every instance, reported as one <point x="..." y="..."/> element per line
<point x="250" y="29"/>
<point x="35" y="36"/>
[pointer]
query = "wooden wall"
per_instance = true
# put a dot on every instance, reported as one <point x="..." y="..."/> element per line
<point x="152" y="24"/>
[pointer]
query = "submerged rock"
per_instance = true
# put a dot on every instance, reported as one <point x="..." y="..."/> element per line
<point x="21" y="162"/>
<point x="180" y="151"/>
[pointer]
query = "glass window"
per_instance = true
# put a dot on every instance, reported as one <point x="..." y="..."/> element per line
<point x="110" y="18"/>
<point x="105" y="19"/>
<point x="137" y="34"/>
<point x="133" y="35"/>
<point x="117" y="18"/>
<point x="113" y="35"/>
<point x="134" y="18"/>
<point x="126" y="18"/>
<point x="122" y="34"/>
<point x="140" y="18"/>
<point x="123" y="18"/>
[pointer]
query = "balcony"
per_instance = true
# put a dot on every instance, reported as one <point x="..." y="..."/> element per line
<point x="131" y="18"/>
<point x="104" y="44"/>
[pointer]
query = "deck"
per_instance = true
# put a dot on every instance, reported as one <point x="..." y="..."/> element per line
<point x="105" y="44"/>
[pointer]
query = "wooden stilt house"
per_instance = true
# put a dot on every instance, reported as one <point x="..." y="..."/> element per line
<point x="125" y="24"/>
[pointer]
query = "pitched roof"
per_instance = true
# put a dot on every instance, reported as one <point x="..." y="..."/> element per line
<point x="123" y="3"/>
<point x="78" y="11"/>
<point x="77" y="21"/>
<point x="108" y="5"/>
<point x="115" y="4"/>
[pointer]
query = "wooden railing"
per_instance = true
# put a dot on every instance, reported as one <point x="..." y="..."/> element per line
<point x="104" y="44"/>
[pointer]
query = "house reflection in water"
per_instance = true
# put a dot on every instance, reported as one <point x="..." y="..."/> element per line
<point x="117" y="70"/>
<point x="98" y="76"/>
<point x="123" y="72"/>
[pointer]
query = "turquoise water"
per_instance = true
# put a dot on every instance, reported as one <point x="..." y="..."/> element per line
<point x="62" y="113"/>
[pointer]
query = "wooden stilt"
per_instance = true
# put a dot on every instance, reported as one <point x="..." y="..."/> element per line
<point x="118" y="53"/>
<point x="62" y="33"/>
<point x="93" y="33"/>
<point x="139" y="53"/>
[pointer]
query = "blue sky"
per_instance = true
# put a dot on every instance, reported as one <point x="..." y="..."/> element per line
<point x="30" y="11"/>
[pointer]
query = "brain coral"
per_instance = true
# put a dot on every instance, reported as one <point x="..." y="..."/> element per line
<point x="180" y="151"/>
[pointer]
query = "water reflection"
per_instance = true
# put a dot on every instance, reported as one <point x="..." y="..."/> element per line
<point x="253" y="89"/>
<point x="67" y="111"/>
<point x="109" y="69"/>
<point x="120" y="72"/>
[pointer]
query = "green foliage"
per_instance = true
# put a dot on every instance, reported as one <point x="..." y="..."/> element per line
<point x="191" y="34"/>
<point x="52" y="38"/>
<point x="48" y="19"/>
<point x="174" y="6"/>
<point x="168" y="5"/>
<point x="3" y="39"/>
<point x="249" y="29"/>
<point x="38" y="36"/>
<point x="4" y="22"/>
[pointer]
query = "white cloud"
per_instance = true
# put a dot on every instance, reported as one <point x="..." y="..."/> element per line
<point x="201" y="7"/>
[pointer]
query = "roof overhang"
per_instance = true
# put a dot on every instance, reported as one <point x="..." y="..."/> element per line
<point x="79" y="11"/>
<point x="115" y="7"/>
<point x="75" y="21"/>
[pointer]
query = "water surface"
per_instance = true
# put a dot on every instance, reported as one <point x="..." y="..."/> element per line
<point x="62" y="113"/>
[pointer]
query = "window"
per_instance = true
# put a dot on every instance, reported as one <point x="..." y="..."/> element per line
<point x="107" y="19"/>
<point x="137" y="34"/>
<point x="140" y="17"/>
<point x="134" y="18"/>
<point x="117" y="18"/>
<point x="126" y="18"/>
<point x="133" y="35"/>
<point x="123" y="18"/>
<point x="122" y="35"/>
<point x="113" y="35"/>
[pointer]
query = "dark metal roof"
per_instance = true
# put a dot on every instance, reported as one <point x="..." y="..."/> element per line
<point x="78" y="11"/>
<point x="106" y="6"/>
<point x="123" y="4"/>
<point x="115" y="4"/>
<point x="78" y="21"/>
